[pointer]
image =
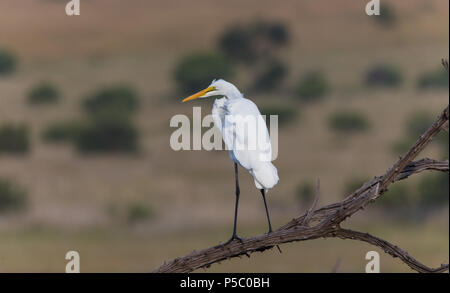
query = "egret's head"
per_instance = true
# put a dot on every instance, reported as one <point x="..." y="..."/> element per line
<point x="217" y="88"/>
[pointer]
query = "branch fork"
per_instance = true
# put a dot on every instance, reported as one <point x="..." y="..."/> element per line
<point x="325" y="222"/>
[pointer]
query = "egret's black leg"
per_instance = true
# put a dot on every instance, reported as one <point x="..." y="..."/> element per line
<point x="263" y="192"/>
<point x="234" y="236"/>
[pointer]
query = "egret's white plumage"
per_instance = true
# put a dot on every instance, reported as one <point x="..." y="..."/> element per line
<point x="248" y="143"/>
<point x="257" y="161"/>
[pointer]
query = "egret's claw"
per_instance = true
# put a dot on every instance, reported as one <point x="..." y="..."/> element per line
<point x="234" y="237"/>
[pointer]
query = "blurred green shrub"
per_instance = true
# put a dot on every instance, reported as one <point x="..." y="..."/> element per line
<point x="433" y="190"/>
<point x="107" y="127"/>
<point x="416" y="124"/>
<point x="348" y="122"/>
<point x="433" y="80"/>
<point x="43" y="93"/>
<point x="195" y="71"/>
<point x="306" y="193"/>
<point x="63" y="131"/>
<point x="14" y="139"/>
<point x="286" y="114"/>
<point x="252" y="42"/>
<point x="119" y="100"/>
<point x="107" y="135"/>
<point x="312" y="87"/>
<point x="387" y="15"/>
<point x="353" y="184"/>
<point x="271" y="76"/>
<point x="12" y="198"/>
<point x="402" y="146"/>
<point x="8" y="62"/>
<point x="274" y="32"/>
<point x="278" y="33"/>
<point x="443" y="140"/>
<point x="399" y="197"/>
<point x="384" y="76"/>
<point x="138" y="212"/>
<point x="237" y="44"/>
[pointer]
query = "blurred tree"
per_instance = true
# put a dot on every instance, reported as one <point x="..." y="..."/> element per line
<point x="119" y="100"/>
<point x="383" y="76"/>
<point x="43" y="93"/>
<point x="278" y="33"/>
<point x="14" y="139"/>
<point x="12" y="198"/>
<point x="138" y="212"/>
<point x="286" y="114"/>
<point x="348" y="122"/>
<point x="63" y="131"/>
<point x="353" y="184"/>
<point x="387" y="16"/>
<point x="8" y="62"/>
<point x="256" y="45"/>
<point x="398" y="197"/>
<point x="306" y="193"/>
<point x="433" y="80"/>
<point x="252" y="42"/>
<point x="443" y="140"/>
<point x="106" y="128"/>
<point x="195" y="71"/>
<point x="271" y="76"/>
<point x="312" y="87"/>
<point x="236" y="44"/>
<point x="107" y="134"/>
<point x="433" y="190"/>
<point x="416" y="124"/>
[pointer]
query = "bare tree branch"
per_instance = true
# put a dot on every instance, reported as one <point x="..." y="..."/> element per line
<point x="391" y="249"/>
<point x="445" y="64"/>
<point x="422" y="165"/>
<point x="313" y="206"/>
<point x="326" y="220"/>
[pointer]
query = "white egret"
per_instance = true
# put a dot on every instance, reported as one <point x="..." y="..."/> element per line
<point x="231" y="114"/>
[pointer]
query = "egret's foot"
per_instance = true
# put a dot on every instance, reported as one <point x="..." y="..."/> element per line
<point x="234" y="237"/>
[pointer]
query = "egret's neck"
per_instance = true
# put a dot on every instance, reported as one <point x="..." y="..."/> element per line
<point x="233" y="93"/>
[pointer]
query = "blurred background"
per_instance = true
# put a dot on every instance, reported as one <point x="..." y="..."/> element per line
<point x="85" y="105"/>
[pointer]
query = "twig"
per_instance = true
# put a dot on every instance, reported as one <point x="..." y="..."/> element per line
<point x="313" y="206"/>
<point x="336" y="266"/>
<point x="422" y="165"/>
<point x="445" y="64"/>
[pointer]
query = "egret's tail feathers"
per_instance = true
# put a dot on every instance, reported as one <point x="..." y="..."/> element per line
<point x="266" y="176"/>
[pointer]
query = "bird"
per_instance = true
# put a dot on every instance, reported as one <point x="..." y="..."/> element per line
<point x="231" y="113"/>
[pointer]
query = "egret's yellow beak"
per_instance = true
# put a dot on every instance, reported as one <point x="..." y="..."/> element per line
<point x="199" y="94"/>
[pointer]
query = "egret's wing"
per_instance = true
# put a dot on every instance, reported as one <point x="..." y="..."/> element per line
<point x="245" y="133"/>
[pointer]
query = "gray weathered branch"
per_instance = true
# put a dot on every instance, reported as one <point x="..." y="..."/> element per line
<point x="391" y="249"/>
<point x="325" y="221"/>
